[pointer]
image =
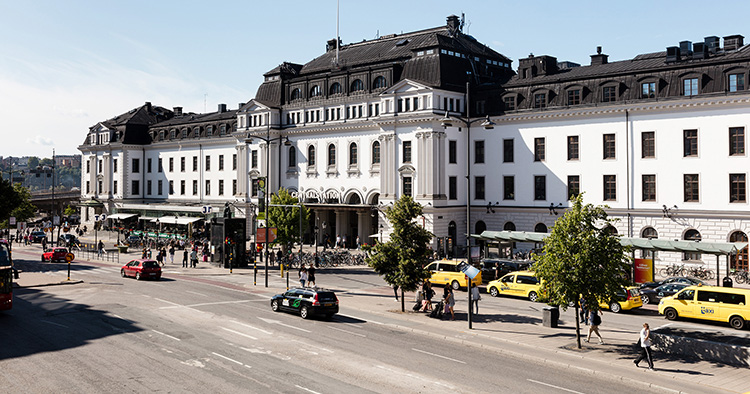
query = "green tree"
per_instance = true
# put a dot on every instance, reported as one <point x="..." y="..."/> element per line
<point x="286" y="219"/>
<point x="582" y="259"/>
<point x="9" y="200"/>
<point x="401" y="260"/>
<point x="70" y="210"/>
<point x="33" y="162"/>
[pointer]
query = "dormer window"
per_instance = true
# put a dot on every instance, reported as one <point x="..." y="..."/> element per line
<point x="222" y="129"/>
<point x="196" y="132"/>
<point x="736" y="82"/>
<point x="540" y="100"/>
<point x="357" y="86"/>
<point x="335" y="89"/>
<point x="509" y="103"/>
<point x="690" y="86"/>
<point x="172" y="134"/>
<point x="315" y="91"/>
<point x="379" y="83"/>
<point x="574" y="96"/>
<point x="209" y="131"/>
<point x="609" y="94"/>
<point x="648" y="90"/>
<point x="296" y="95"/>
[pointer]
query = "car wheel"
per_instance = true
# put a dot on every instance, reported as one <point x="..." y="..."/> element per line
<point x="671" y="314"/>
<point x="494" y="292"/>
<point x="737" y="322"/>
<point x="455" y="285"/>
<point x="304" y="312"/>
<point x="137" y="276"/>
<point x="533" y="296"/>
<point x="615" y="307"/>
<point x="275" y="305"/>
<point x="646" y="300"/>
<point x="122" y="273"/>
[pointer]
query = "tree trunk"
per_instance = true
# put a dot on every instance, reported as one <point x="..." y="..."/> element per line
<point x="402" y="300"/>
<point x="578" y="328"/>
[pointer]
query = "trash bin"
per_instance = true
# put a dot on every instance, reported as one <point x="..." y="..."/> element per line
<point x="550" y="316"/>
<point x="727" y="282"/>
<point x="122" y="248"/>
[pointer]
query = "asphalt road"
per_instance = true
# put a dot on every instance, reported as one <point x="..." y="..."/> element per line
<point x="210" y="334"/>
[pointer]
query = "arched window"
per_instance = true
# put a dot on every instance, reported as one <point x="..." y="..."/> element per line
<point x="292" y="157"/>
<point x="172" y="134"/>
<point x="357" y="86"/>
<point x="376" y="152"/>
<point x="222" y="129"/>
<point x="691" y="235"/>
<point x="649" y="233"/>
<point x="379" y="83"/>
<point x="310" y="156"/>
<point x="610" y="229"/>
<point x="184" y="133"/>
<point x="196" y="132"/>
<point x="335" y="89"/>
<point x="509" y="226"/>
<point x="353" y="154"/>
<point x="354" y="199"/>
<point x="331" y="155"/>
<point x="315" y="91"/>
<point x="479" y="227"/>
<point x="739" y="261"/>
<point x="296" y="95"/>
<point x="540" y="228"/>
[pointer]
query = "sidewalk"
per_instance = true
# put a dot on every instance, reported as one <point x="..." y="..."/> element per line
<point x="512" y="334"/>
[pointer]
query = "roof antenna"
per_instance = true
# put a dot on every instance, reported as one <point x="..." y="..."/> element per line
<point x="338" y="39"/>
<point x="463" y="20"/>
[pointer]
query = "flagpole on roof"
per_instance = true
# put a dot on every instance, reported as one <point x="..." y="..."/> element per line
<point x="337" y="33"/>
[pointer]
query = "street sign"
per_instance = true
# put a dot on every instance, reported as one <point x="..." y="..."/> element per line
<point x="207" y="209"/>
<point x="468" y="270"/>
<point x="260" y="235"/>
<point x="56" y="220"/>
<point x="12" y="220"/>
<point x="103" y="217"/>
<point x="69" y="257"/>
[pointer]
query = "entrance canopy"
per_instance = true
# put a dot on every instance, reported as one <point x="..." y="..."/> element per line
<point x="715" y="248"/>
<point x="121" y="216"/>
<point x="177" y="219"/>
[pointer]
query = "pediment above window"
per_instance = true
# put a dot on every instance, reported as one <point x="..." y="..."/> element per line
<point x="406" y="169"/>
<point x="254" y="106"/>
<point x="406" y="86"/>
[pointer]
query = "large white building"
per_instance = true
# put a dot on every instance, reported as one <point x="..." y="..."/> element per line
<point x="660" y="139"/>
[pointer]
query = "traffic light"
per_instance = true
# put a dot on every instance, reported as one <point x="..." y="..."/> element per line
<point x="227" y="210"/>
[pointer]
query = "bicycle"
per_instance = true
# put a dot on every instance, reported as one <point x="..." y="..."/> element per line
<point x="673" y="270"/>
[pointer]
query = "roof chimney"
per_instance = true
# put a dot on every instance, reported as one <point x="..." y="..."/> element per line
<point x="148" y="106"/>
<point x="453" y="22"/>
<point x="222" y="108"/>
<point x="177" y="111"/>
<point x="331" y="44"/>
<point x="733" y="42"/>
<point x="599" y="58"/>
<point x="712" y="44"/>
<point x="239" y="106"/>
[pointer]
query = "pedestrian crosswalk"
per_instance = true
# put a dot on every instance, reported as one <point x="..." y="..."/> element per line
<point x="88" y="271"/>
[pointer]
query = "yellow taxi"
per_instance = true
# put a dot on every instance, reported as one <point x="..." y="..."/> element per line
<point x="626" y="299"/>
<point x="725" y="304"/>
<point x="447" y="272"/>
<point x="519" y="284"/>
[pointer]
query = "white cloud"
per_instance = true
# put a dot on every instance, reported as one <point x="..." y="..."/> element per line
<point x="39" y="140"/>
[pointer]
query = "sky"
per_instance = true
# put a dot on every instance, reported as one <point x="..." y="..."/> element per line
<point x="66" y="65"/>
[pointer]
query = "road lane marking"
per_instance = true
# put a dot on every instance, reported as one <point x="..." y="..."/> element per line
<point x="317" y="347"/>
<point x="201" y="304"/>
<point x="553" y="386"/>
<point x="253" y="327"/>
<point x="348" y="332"/>
<point x="239" y="333"/>
<point x="227" y="358"/>
<point x="168" y="302"/>
<point x="437" y="355"/>
<point x="418" y="377"/>
<point x="167" y="335"/>
<point x="269" y="321"/>
<point x="306" y="389"/>
<point x="196" y="293"/>
<point x="56" y="324"/>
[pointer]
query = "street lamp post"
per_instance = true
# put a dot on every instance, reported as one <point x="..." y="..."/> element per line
<point x="467" y="121"/>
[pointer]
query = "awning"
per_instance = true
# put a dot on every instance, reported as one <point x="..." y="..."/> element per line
<point x="120" y="216"/>
<point x="177" y="219"/>
<point x="92" y="203"/>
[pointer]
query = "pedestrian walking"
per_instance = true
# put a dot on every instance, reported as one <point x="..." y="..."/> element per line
<point x="343" y="242"/>
<point x="583" y="314"/>
<point x="184" y="258"/>
<point x="159" y="258"/>
<point x="449" y="300"/>
<point x="100" y="249"/>
<point x="338" y="241"/>
<point x="303" y="276"/>
<point x="358" y="244"/>
<point x="311" y="276"/>
<point x="428" y="294"/>
<point x="594" y="321"/>
<point x="395" y="291"/>
<point x="171" y="254"/>
<point x="475" y="297"/>
<point x="193" y="258"/>
<point x="645" y="341"/>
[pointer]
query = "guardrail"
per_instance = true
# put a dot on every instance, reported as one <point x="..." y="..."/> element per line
<point x="90" y="252"/>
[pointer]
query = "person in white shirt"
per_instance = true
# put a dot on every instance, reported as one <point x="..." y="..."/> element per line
<point x="645" y="347"/>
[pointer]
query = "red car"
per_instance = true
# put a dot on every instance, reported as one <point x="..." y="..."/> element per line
<point x="141" y="269"/>
<point x="55" y="254"/>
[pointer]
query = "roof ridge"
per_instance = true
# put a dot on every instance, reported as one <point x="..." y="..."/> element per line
<point x="389" y="37"/>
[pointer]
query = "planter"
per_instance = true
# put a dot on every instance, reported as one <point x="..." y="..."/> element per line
<point x="123" y="249"/>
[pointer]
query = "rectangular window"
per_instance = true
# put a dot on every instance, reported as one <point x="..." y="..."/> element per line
<point x="136" y="165"/>
<point x="171" y="188"/>
<point x="609" y="93"/>
<point x="182" y="188"/>
<point x="610" y="187"/>
<point x="407" y="152"/>
<point x="88" y="187"/>
<point x="148" y="165"/>
<point x="406" y="181"/>
<point x="148" y="187"/>
<point x="508" y="151"/>
<point x="136" y="187"/>
<point x="540" y="100"/>
<point x="538" y="149"/>
<point x="100" y="166"/>
<point x="478" y="152"/>
<point x="452" y="188"/>
<point x="114" y="165"/>
<point x="573" y="153"/>
<point x="221" y="162"/>
<point x="221" y="187"/>
<point x="690" y="142"/>
<point x="254" y="188"/>
<point x="509" y="103"/>
<point x="407" y="106"/>
<point x="691" y="188"/>
<point x="171" y="164"/>
<point x="234" y="187"/>
<point x="479" y="188"/>
<point x="574" y="96"/>
<point x="736" y="141"/>
<point x="208" y="163"/>
<point x="452" y="152"/>
<point x="208" y="188"/>
<point x="509" y="187"/>
<point x="182" y="164"/>
<point x="737" y="189"/>
<point x="234" y="161"/>
<point x="195" y="163"/>
<point x="88" y="167"/>
<point x="736" y="82"/>
<point x="574" y="186"/>
<point x="254" y="159"/>
<point x="195" y="188"/>
<point x="159" y="189"/>
<point x="690" y="87"/>
<point x="608" y="141"/>
<point x="648" y="90"/>
<point x="648" y="144"/>
<point x="540" y="187"/>
<point x="648" y="186"/>
<point x="101" y="187"/>
<point x="161" y="168"/>
<point x="114" y="187"/>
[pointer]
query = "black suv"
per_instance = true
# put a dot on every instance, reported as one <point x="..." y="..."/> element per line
<point x="495" y="268"/>
<point x="306" y="302"/>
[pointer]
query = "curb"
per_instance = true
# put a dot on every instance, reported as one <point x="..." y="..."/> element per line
<point x="65" y="282"/>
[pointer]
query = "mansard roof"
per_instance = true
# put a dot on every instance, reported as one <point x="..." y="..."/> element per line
<point x="132" y="126"/>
